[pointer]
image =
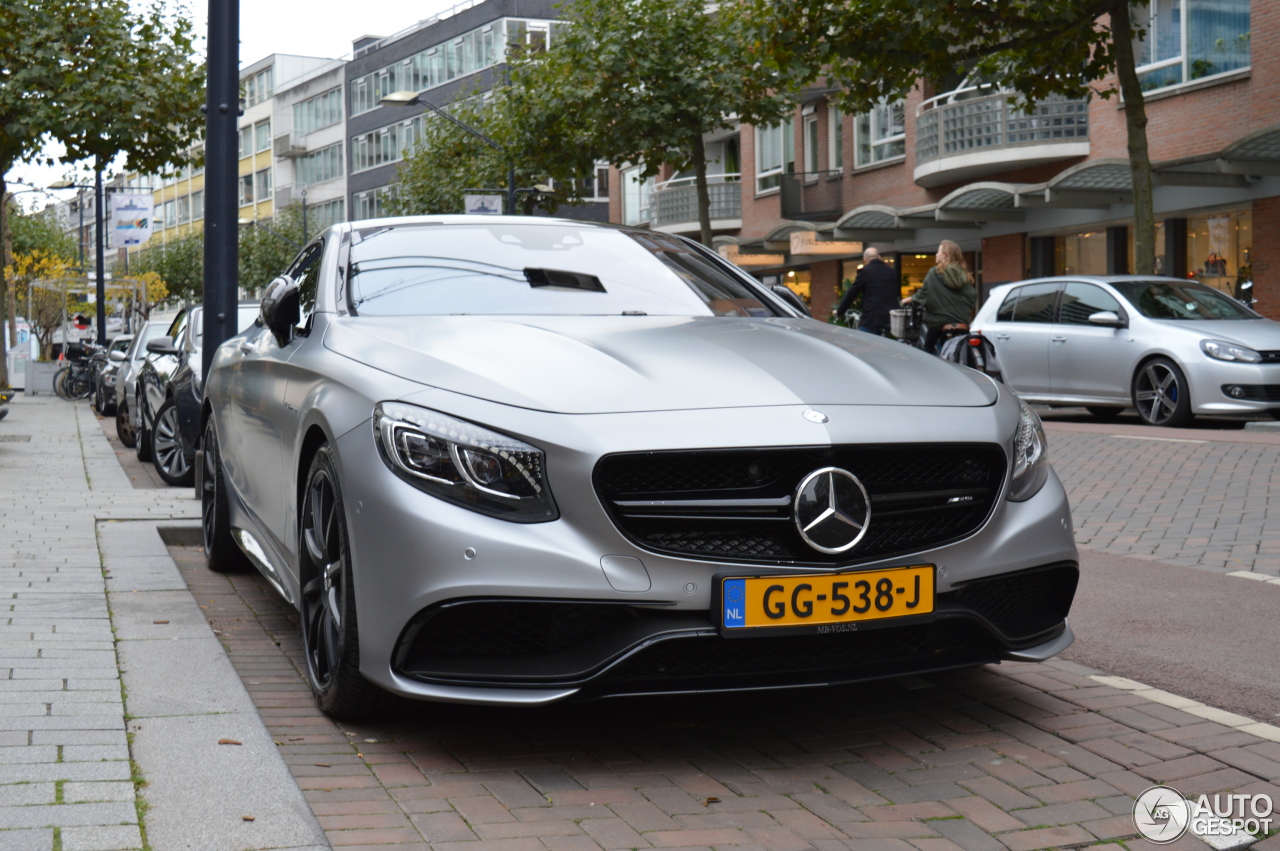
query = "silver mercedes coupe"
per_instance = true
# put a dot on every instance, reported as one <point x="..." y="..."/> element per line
<point x="519" y="460"/>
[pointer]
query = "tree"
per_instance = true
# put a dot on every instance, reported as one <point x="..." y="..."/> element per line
<point x="881" y="49"/>
<point x="643" y="81"/>
<point x="447" y="161"/>
<point x="178" y="261"/>
<point x="45" y="286"/>
<point x="101" y="79"/>
<point x="40" y="232"/>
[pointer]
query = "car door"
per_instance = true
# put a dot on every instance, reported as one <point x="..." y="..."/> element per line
<point x="1021" y="335"/>
<point x="1089" y="361"/>
<point x="266" y="424"/>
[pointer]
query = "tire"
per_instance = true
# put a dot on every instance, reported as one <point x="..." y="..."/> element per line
<point x="142" y="440"/>
<point x="171" y="461"/>
<point x="1160" y="394"/>
<point x="221" y="553"/>
<point x="1104" y="414"/>
<point x="330" y="635"/>
<point x="59" y="383"/>
<point x="124" y="428"/>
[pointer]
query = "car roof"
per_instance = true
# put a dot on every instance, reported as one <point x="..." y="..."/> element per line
<point x="401" y="221"/>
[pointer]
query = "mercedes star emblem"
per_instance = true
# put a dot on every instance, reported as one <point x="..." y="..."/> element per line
<point x="832" y="510"/>
<point x="815" y="416"/>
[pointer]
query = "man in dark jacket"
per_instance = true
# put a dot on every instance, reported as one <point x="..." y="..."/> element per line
<point x="877" y="281"/>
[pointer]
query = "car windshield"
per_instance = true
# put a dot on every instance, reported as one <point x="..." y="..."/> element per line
<point x="552" y="268"/>
<point x="1173" y="300"/>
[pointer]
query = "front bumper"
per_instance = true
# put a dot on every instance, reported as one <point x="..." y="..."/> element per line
<point x="1211" y="382"/>
<point x="431" y="579"/>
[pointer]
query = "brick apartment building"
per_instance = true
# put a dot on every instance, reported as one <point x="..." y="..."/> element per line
<point x="1024" y="195"/>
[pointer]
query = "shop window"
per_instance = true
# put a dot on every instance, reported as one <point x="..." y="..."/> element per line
<point x="1219" y="247"/>
<point x="1189" y="40"/>
<point x="799" y="281"/>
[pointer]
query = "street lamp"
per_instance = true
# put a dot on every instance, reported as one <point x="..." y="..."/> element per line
<point x="407" y="98"/>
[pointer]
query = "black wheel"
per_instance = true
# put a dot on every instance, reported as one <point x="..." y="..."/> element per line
<point x="1160" y="394"/>
<point x="142" y="440"/>
<point x="171" y="460"/>
<point x="1105" y="414"/>
<point x="221" y="553"/>
<point x="124" y="428"/>
<point x="330" y="636"/>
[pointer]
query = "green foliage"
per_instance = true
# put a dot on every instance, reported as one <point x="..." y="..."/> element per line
<point x="41" y="232"/>
<point x="448" y="161"/>
<point x="642" y="82"/>
<point x="266" y="249"/>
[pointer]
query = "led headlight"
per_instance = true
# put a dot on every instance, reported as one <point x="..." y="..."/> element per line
<point x="463" y="463"/>
<point x="1219" y="350"/>
<point x="1030" y="456"/>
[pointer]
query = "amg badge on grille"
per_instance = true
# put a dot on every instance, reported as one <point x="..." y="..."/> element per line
<point x="831" y="510"/>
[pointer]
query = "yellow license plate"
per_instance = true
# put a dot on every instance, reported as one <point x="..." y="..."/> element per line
<point x="833" y="598"/>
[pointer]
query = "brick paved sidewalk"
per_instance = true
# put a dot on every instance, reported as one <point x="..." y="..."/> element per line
<point x="65" y="776"/>
<point x="1173" y="495"/>
<point x="1016" y="757"/>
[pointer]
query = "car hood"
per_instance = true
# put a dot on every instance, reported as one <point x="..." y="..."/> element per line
<point x="616" y="364"/>
<point x="1261" y="335"/>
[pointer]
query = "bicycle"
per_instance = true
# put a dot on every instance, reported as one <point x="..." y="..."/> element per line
<point x="76" y="379"/>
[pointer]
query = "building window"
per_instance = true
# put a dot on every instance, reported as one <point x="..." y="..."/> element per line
<point x="465" y="54"/>
<point x="262" y="136"/>
<point x="197" y="161"/>
<point x="327" y="213"/>
<point x="635" y="196"/>
<point x="835" y="138"/>
<point x="324" y="164"/>
<point x="258" y="87"/>
<point x="246" y="189"/>
<point x="811" y="145"/>
<point x="775" y="154"/>
<point x="386" y="145"/>
<point x="197" y="205"/>
<point x="184" y="209"/>
<point x="371" y="204"/>
<point x="881" y="134"/>
<point x="320" y="111"/>
<point x="169" y="217"/>
<point x="262" y="184"/>
<point x="244" y="143"/>
<point x="1190" y="39"/>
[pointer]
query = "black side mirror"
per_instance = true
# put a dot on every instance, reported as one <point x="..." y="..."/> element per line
<point x="792" y="299"/>
<point x="162" y="346"/>
<point x="282" y="309"/>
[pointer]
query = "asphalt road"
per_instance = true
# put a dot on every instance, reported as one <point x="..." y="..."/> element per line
<point x="1207" y="636"/>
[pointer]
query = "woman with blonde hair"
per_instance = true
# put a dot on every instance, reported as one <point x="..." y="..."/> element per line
<point x="948" y="296"/>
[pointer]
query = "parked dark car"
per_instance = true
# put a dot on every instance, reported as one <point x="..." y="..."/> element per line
<point x="126" y="385"/>
<point x="169" y="390"/>
<point x="104" y="384"/>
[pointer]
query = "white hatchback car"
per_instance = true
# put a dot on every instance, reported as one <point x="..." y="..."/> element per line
<point x="1169" y="348"/>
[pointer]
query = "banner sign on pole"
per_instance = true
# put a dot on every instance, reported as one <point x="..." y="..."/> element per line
<point x="131" y="217"/>
<point x="488" y="205"/>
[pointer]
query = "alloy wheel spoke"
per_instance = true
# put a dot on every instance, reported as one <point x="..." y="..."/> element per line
<point x="313" y="546"/>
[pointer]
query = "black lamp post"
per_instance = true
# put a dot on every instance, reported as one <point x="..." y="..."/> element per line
<point x="222" y="108"/>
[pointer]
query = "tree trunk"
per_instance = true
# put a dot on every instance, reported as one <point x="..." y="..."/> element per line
<point x="8" y="306"/>
<point x="1135" y="114"/>
<point x="700" y="185"/>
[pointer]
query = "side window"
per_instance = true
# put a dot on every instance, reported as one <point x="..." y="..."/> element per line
<point x="306" y="272"/>
<point x="1080" y="301"/>
<point x="1035" y="303"/>
<point x="178" y="325"/>
<point x="1005" y="314"/>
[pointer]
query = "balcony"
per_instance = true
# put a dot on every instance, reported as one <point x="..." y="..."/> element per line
<point x="673" y="205"/>
<point x="811" y="196"/>
<point x="971" y="133"/>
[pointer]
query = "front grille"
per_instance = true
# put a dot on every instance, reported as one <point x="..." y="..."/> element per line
<point x="709" y="661"/>
<point x="1025" y="604"/>
<point x="1270" y="357"/>
<point x="613" y="647"/>
<point x="1254" y="392"/>
<point x="735" y="504"/>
